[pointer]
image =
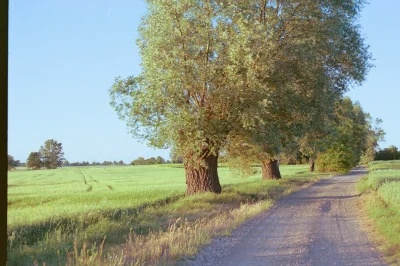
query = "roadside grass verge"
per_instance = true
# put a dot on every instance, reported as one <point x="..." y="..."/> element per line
<point x="162" y="229"/>
<point x="381" y="195"/>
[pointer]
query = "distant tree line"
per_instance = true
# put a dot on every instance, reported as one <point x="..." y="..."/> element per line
<point x="83" y="163"/>
<point x="149" y="161"/>
<point x="138" y="161"/>
<point x="391" y="153"/>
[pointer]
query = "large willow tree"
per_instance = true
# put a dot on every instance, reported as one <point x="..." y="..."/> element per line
<point x="219" y="73"/>
<point x="318" y="54"/>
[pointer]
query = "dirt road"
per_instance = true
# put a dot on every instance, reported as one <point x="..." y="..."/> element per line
<point x="315" y="226"/>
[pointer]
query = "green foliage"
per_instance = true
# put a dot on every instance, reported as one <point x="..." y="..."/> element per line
<point x="34" y="161"/>
<point x="52" y="154"/>
<point x="375" y="135"/>
<point x="10" y="161"/>
<point x="211" y="78"/>
<point x="338" y="158"/>
<point x="149" y="161"/>
<point x="349" y="140"/>
<point x="298" y="111"/>
<point x="83" y="163"/>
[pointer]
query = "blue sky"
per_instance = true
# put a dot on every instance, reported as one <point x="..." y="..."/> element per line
<point x="64" y="56"/>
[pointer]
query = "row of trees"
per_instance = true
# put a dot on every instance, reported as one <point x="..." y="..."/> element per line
<point x="391" y="153"/>
<point x="138" y="161"/>
<point x="35" y="162"/>
<point x="354" y="138"/>
<point x="149" y="161"/>
<point x="83" y="163"/>
<point x="252" y="80"/>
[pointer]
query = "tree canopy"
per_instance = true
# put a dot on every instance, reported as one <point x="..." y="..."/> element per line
<point x="349" y="139"/>
<point x="243" y="76"/>
<point x="12" y="162"/>
<point x="34" y="161"/>
<point x="52" y="154"/>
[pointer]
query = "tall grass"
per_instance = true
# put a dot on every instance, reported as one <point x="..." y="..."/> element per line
<point x="381" y="189"/>
<point x="379" y="177"/>
<point x="53" y="217"/>
<point x="390" y="193"/>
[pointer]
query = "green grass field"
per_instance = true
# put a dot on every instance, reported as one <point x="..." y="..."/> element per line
<point x="381" y="189"/>
<point x="51" y="211"/>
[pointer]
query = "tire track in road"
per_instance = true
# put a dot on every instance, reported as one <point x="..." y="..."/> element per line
<point x="318" y="225"/>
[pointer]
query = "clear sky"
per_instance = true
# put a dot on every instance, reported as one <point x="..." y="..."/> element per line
<point x="64" y="56"/>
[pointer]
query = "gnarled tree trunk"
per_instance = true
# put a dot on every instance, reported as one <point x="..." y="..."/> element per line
<point x="270" y="169"/>
<point x="203" y="178"/>
<point x="312" y="164"/>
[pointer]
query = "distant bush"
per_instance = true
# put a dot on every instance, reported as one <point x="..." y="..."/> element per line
<point x="34" y="161"/>
<point x="338" y="158"/>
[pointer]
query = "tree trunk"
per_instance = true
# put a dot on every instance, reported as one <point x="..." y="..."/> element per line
<point x="203" y="178"/>
<point x="312" y="164"/>
<point x="270" y="169"/>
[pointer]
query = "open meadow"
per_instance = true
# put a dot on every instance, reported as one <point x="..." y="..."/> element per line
<point x="381" y="194"/>
<point x="53" y="214"/>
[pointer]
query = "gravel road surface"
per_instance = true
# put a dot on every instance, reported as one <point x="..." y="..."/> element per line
<point x="318" y="225"/>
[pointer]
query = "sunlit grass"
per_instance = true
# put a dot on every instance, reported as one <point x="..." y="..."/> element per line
<point x="49" y="210"/>
<point x="36" y="196"/>
<point x="395" y="164"/>
<point x="390" y="193"/>
<point x="381" y="188"/>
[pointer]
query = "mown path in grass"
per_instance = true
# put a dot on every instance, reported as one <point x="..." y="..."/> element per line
<point x="318" y="225"/>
